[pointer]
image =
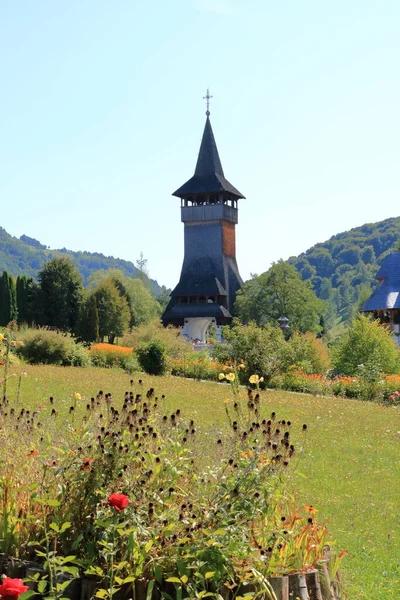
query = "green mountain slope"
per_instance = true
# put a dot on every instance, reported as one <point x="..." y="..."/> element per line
<point x="342" y="269"/>
<point x="26" y="256"/>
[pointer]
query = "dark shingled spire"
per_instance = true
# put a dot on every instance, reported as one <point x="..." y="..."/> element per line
<point x="209" y="175"/>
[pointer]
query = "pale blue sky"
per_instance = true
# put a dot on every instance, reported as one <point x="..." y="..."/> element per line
<point x="102" y="115"/>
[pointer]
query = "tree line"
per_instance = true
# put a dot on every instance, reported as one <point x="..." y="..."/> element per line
<point x="106" y="308"/>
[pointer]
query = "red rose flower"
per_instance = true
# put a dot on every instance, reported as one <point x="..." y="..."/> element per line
<point x="10" y="589"/>
<point x="118" y="501"/>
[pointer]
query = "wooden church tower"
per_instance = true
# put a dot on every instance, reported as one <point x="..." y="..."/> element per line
<point x="210" y="277"/>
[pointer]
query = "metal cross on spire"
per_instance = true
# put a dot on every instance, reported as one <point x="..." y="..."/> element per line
<point x="207" y="97"/>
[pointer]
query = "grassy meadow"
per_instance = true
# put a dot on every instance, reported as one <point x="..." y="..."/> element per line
<point x="348" y="468"/>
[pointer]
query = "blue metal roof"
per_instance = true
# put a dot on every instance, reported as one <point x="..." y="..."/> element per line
<point x="387" y="294"/>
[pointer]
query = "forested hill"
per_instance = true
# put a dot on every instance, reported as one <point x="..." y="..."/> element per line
<point x="26" y="256"/>
<point x="342" y="270"/>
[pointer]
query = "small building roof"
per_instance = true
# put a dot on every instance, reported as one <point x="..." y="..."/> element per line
<point x="387" y="294"/>
<point x="208" y="176"/>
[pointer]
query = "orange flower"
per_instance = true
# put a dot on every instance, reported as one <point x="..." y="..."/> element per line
<point x="85" y="466"/>
<point x="33" y="453"/>
<point x="309" y="508"/>
<point x="111" y="348"/>
<point x="247" y="454"/>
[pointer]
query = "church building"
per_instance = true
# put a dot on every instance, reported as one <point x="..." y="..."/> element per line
<point x="210" y="277"/>
<point x="384" y="302"/>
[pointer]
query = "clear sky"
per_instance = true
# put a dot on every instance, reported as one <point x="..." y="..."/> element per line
<point x="101" y="117"/>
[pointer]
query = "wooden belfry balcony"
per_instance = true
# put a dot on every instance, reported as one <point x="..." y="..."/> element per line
<point x="209" y="212"/>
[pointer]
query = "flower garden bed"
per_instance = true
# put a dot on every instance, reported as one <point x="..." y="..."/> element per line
<point x="384" y="389"/>
<point x="115" y="494"/>
<point x="112" y="355"/>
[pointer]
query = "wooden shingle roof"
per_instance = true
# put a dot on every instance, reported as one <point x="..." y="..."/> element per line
<point x="200" y="280"/>
<point x="208" y="176"/>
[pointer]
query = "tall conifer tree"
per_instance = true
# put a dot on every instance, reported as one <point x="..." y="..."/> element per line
<point x="8" y="299"/>
<point x="26" y="288"/>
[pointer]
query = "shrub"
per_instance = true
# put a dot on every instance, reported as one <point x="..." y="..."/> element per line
<point x="197" y="365"/>
<point x="174" y="344"/>
<point x="43" y="346"/>
<point x="259" y="347"/>
<point x="366" y="342"/>
<point x="153" y="358"/>
<point x="78" y="356"/>
<point x="307" y="352"/>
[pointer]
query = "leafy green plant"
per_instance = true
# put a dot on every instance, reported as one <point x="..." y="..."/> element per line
<point x="175" y="345"/>
<point x="45" y="346"/>
<point x="59" y="570"/>
<point x="307" y="352"/>
<point x="152" y="358"/>
<point x="366" y="342"/>
<point x="260" y="349"/>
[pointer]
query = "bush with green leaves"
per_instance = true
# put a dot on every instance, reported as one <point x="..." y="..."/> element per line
<point x="153" y="358"/>
<point x="170" y="337"/>
<point x="44" y="346"/>
<point x="366" y="342"/>
<point x="196" y="365"/>
<point x="259" y="348"/>
<point x="306" y="352"/>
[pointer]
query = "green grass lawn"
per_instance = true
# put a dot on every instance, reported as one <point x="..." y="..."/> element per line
<point x="348" y="467"/>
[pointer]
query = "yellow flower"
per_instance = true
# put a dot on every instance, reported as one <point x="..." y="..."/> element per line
<point x="241" y="366"/>
<point x="261" y="380"/>
<point x="20" y="343"/>
<point x="77" y="396"/>
<point x="2" y="338"/>
<point x="254" y="379"/>
<point x="230" y="376"/>
<point x="221" y="376"/>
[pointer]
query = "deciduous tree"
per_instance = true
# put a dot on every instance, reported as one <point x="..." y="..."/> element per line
<point x="280" y="291"/>
<point x="60" y="294"/>
<point x="113" y="311"/>
<point x="142" y="305"/>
